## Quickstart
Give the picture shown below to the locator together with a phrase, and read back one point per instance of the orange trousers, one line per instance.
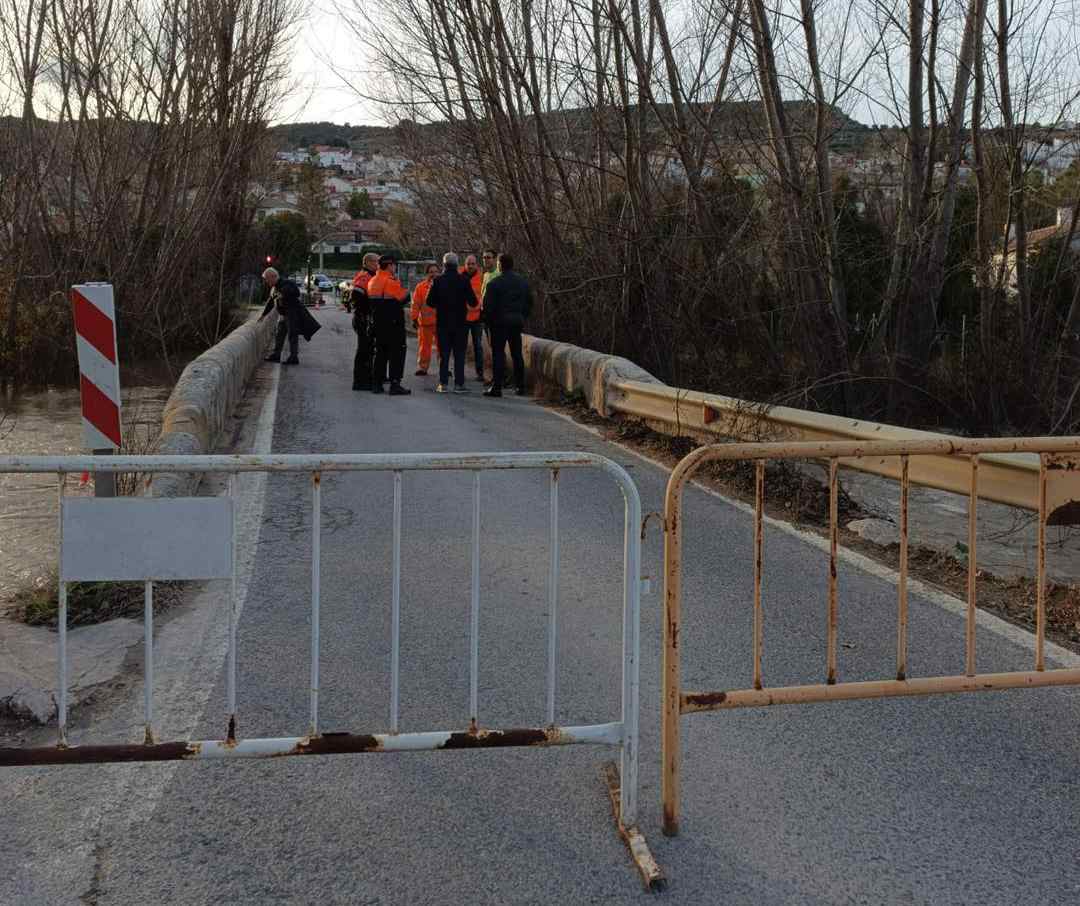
(426, 336)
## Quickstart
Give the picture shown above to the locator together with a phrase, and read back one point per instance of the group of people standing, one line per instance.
(449, 308)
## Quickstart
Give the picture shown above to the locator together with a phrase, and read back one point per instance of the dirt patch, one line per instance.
(793, 495)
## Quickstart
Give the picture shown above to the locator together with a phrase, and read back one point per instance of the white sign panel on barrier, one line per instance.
(129, 539)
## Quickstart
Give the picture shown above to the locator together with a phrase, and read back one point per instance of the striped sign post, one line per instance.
(99, 373)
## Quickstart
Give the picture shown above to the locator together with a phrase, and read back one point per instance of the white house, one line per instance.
(274, 204)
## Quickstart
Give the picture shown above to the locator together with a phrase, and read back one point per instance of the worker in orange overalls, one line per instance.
(473, 322)
(423, 318)
(387, 296)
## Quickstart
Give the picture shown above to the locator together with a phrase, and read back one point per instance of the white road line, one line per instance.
(1015, 634)
(190, 650)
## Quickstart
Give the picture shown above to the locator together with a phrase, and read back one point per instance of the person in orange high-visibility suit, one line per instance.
(387, 298)
(423, 317)
(473, 317)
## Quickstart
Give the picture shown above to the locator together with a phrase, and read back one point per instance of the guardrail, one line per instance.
(1011, 476)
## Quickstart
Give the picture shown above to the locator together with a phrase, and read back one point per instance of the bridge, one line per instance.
(938, 799)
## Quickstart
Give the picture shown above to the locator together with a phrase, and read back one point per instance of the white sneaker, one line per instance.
(441, 388)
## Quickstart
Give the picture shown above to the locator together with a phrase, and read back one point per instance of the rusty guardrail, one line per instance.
(1009, 475)
(1057, 467)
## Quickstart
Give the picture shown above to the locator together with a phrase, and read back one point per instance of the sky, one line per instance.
(325, 41)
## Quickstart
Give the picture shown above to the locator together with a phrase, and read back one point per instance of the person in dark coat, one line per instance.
(508, 302)
(363, 361)
(452, 296)
(294, 320)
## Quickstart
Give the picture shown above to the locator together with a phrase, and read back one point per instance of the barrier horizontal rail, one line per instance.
(77, 518)
(1009, 473)
(1055, 457)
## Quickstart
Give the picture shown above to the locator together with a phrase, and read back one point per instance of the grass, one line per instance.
(38, 603)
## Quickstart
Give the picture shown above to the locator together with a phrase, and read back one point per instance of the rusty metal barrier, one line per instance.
(1058, 470)
(192, 532)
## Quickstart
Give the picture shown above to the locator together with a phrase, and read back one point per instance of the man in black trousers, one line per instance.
(294, 321)
(508, 302)
(451, 296)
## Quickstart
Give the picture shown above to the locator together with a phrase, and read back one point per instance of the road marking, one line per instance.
(1003, 628)
(190, 651)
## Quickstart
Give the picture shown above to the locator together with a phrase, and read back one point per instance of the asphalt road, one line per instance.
(942, 800)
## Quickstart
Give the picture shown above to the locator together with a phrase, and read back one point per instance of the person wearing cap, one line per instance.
(386, 296)
(361, 323)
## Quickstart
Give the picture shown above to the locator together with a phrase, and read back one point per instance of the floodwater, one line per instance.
(48, 422)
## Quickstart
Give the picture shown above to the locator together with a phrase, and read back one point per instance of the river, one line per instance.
(48, 421)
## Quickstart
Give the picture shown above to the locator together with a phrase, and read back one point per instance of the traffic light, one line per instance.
(269, 260)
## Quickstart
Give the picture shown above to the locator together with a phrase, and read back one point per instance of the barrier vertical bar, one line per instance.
(1040, 572)
(628, 768)
(759, 537)
(553, 594)
(316, 540)
(671, 679)
(148, 660)
(969, 625)
(230, 682)
(902, 595)
(474, 613)
(834, 540)
(395, 625)
(61, 621)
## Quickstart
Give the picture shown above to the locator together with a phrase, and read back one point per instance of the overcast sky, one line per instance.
(319, 93)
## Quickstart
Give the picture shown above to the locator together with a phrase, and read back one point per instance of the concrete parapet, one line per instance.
(574, 370)
(202, 400)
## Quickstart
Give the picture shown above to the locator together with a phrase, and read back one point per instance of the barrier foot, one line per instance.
(647, 866)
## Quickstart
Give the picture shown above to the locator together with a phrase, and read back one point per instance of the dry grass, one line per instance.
(88, 602)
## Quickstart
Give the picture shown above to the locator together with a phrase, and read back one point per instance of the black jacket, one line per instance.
(451, 295)
(292, 309)
(508, 300)
(288, 292)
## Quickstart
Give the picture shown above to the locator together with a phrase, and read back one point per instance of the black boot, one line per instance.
(397, 390)
(291, 360)
(273, 357)
(377, 388)
(360, 386)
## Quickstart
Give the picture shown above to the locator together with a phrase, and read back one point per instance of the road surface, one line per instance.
(942, 800)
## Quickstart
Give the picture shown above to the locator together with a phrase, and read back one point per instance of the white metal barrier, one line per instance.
(171, 550)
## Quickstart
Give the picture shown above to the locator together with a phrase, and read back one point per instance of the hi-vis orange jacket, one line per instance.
(385, 287)
(420, 310)
(477, 283)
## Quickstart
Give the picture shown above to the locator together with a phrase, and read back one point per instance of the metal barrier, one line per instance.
(88, 557)
(1059, 457)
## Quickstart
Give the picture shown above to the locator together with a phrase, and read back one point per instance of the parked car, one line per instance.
(322, 283)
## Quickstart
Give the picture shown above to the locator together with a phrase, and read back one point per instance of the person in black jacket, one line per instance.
(294, 320)
(508, 302)
(451, 296)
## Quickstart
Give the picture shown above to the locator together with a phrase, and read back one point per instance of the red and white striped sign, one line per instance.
(99, 369)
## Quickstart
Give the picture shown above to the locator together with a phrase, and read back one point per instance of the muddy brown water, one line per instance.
(48, 422)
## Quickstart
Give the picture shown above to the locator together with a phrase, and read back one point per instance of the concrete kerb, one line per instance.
(206, 393)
